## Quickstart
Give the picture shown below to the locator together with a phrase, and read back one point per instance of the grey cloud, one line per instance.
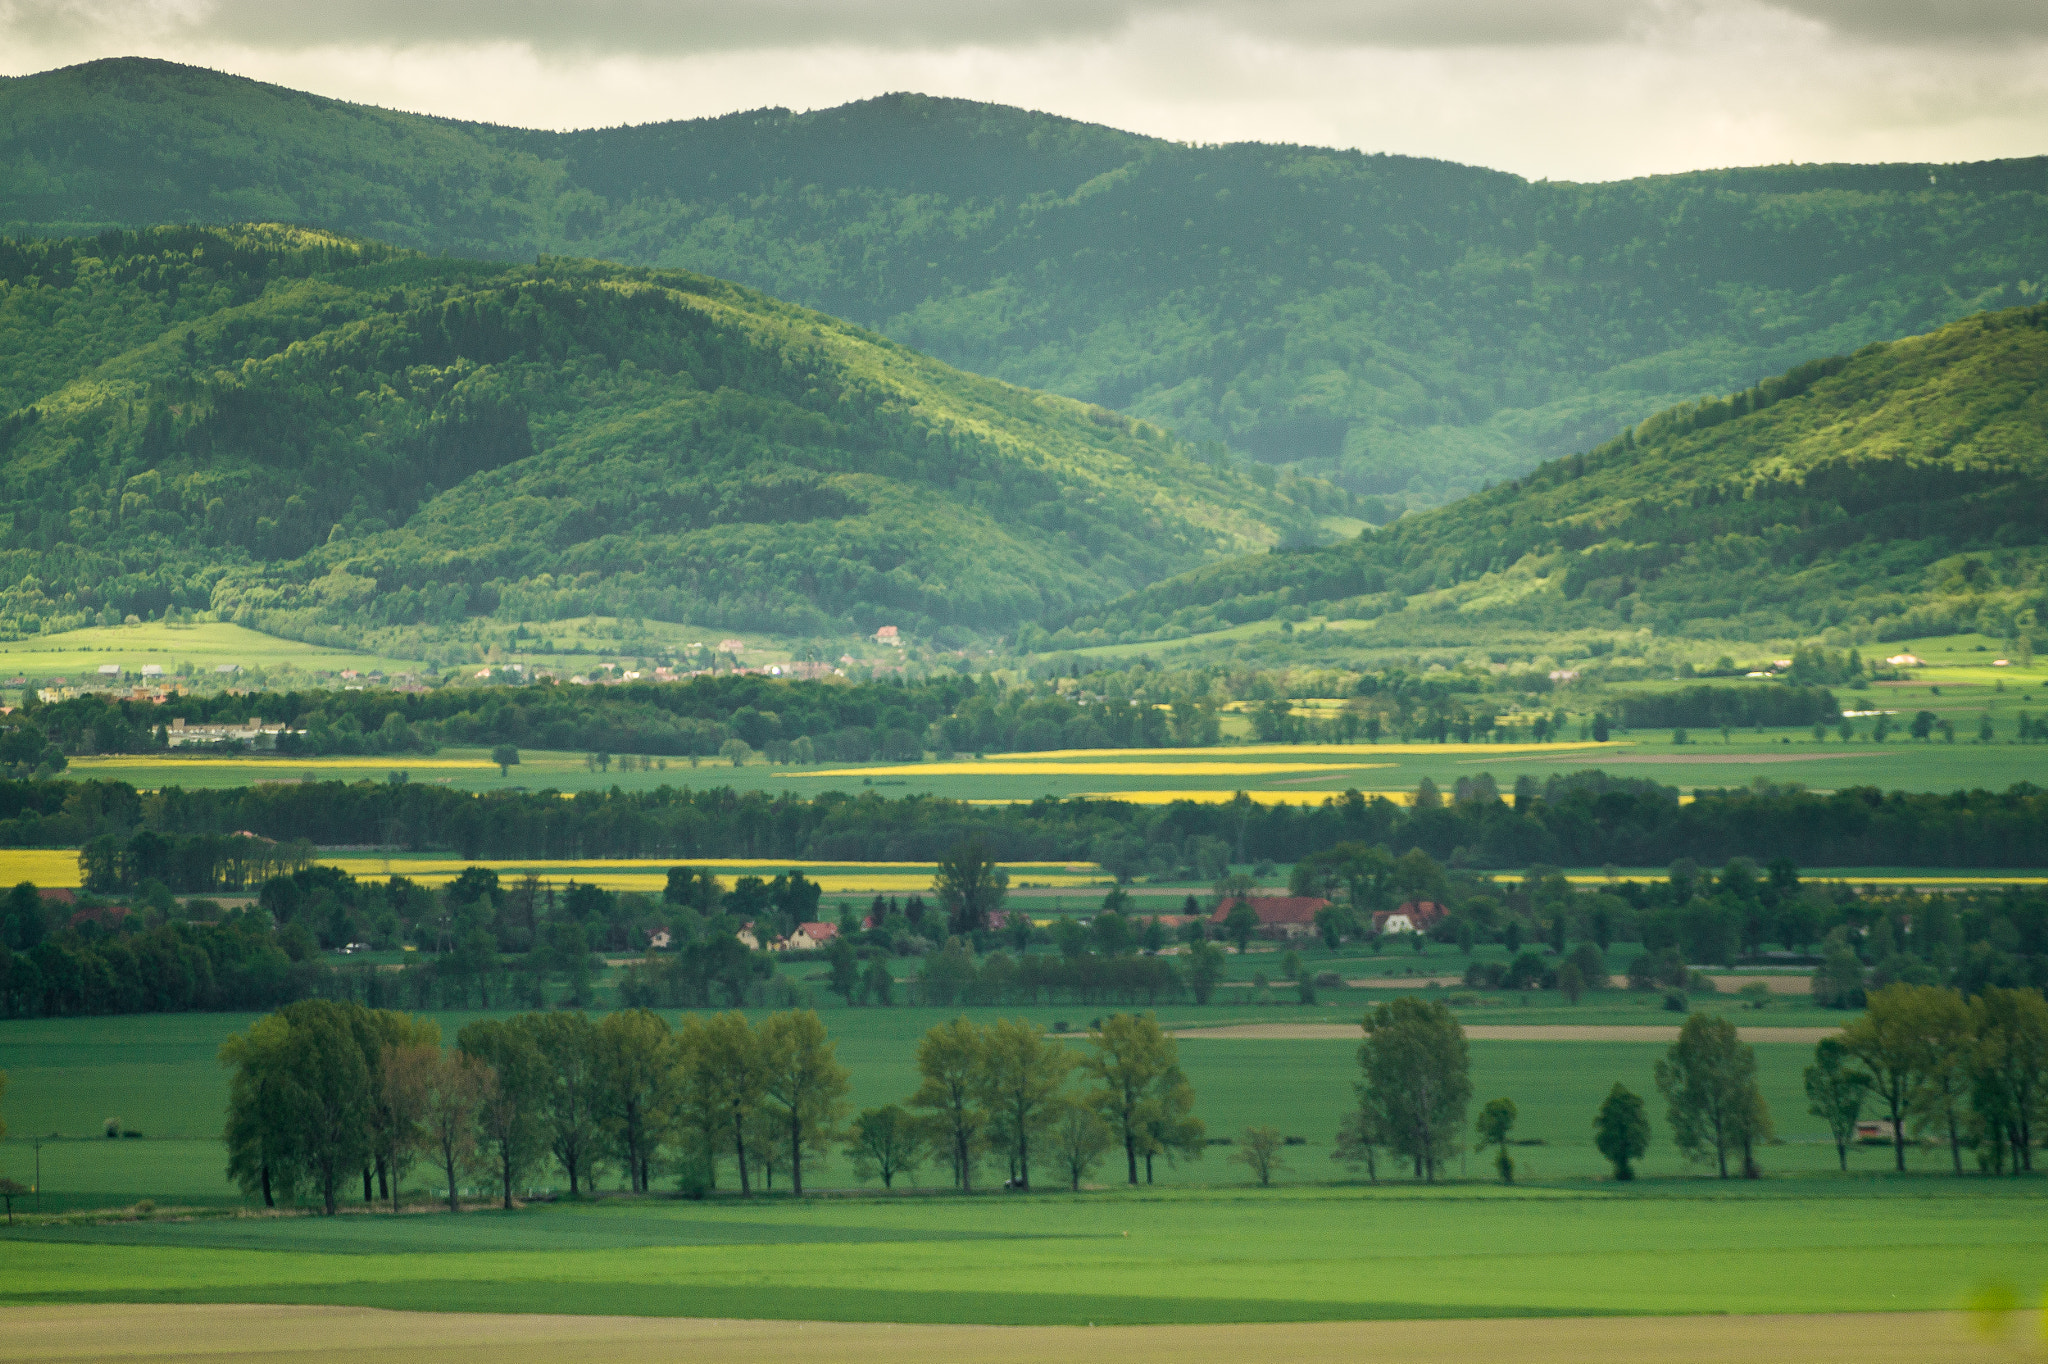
(670, 27)
(1944, 21)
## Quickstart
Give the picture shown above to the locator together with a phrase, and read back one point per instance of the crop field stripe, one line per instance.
(262, 1334)
(1205, 767)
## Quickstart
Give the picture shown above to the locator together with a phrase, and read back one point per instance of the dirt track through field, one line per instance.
(1506, 1032)
(124, 1334)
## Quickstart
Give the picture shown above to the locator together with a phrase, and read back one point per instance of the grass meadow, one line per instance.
(1170, 1256)
(158, 1075)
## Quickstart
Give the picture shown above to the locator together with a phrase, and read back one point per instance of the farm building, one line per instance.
(1414, 916)
(1280, 916)
(812, 936)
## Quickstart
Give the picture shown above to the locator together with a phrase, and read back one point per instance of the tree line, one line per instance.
(1579, 819)
(323, 1093)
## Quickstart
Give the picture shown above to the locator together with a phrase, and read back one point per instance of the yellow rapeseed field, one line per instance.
(1010, 767)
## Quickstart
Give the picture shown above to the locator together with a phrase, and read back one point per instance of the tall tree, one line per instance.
(1418, 1067)
(458, 1085)
(323, 1090)
(731, 1077)
(1709, 1080)
(264, 1133)
(1835, 1092)
(509, 1116)
(1134, 1064)
(1948, 1074)
(406, 1084)
(1621, 1130)
(949, 1064)
(805, 1084)
(1890, 1041)
(1021, 1075)
(638, 1087)
(970, 885)
(568, 1046)
(2012, 1064)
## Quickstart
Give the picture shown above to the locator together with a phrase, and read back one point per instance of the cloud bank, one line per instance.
(1585, 89)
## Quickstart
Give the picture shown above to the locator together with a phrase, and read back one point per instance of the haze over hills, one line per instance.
(1900, 491)
(298, 429)
(1413, 328)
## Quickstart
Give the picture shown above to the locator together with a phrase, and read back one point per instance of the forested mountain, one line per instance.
(1414, 327)
(294, 428)
(1902, 489)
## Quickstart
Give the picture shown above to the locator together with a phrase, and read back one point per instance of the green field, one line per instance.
(1294, 773)
(1182, 1256)
(77, 654)
(157, 1074)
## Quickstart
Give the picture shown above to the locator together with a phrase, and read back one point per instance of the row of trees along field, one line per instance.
(1969, 1074)
(322, 1092)
(1583, 818)
(487, 940)
(745, 716)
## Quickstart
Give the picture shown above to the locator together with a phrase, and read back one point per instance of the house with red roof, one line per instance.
(1280, 916)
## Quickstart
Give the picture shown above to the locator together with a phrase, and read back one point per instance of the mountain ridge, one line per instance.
(1898, 491)
(1412, 328)
(291, 427)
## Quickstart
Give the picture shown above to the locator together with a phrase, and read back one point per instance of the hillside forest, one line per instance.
(291, 430)
(1411, 328)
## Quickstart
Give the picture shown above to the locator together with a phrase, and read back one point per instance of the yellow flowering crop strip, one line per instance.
(43, 866)
(1005, 767)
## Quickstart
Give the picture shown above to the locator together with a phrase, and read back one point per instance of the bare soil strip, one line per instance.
(124, 1334)
(1507, 1032)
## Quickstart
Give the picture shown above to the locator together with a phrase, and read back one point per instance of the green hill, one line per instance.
(1413, 327)
(1900, 491)
(293, 428)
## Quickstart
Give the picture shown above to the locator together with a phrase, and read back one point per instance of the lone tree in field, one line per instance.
(506, 757)
(970, 886)
(1709, 1079)
(1418, 1075)
(1835, 1094)
(1259, 1150)
(1621, 1130)
(885, 1142)
(1496, 1120)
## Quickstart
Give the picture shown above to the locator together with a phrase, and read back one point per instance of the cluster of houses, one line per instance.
(1281, 917)
(255, 735)
(1294, 916)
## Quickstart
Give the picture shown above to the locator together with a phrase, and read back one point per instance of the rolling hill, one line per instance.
(1898, 491)
(295, 429)
(1412, 328)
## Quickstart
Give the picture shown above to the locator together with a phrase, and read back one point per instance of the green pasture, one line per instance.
(1708, 760)
(158, 1076)
(1180, 1256)
(76, 654)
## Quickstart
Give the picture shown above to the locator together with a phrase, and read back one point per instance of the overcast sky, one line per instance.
(1578, 89)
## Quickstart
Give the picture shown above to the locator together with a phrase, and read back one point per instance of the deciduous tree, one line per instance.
(1835, 1092)
(883, 1143)
(1419, 1071)
(1709, 1079)
(949, 1062)
(805, 1084)
(1021, 1075)
(1258, 1149)
(1621, 1130)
